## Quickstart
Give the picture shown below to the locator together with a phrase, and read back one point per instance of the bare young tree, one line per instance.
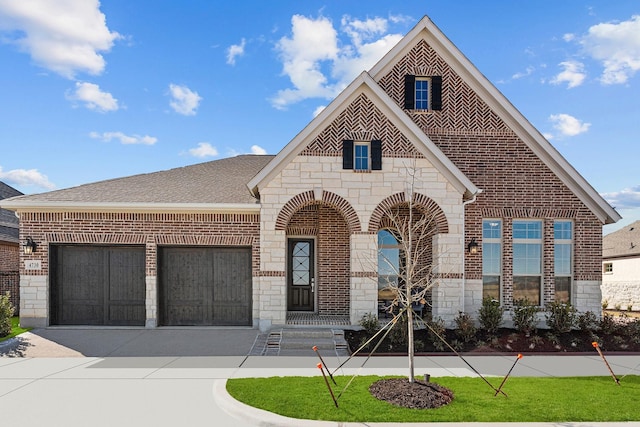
(413, 277)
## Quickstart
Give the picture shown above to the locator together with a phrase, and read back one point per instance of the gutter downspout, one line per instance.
(464, 239)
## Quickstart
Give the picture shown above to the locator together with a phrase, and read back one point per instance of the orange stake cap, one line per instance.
(594, 344)
(519, 356)
(315, 348)
(319, 365)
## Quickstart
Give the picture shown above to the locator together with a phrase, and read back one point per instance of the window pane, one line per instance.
(527, 258)
(361, 157)
(526, 287)
(563, 289)
(386, 238)
(562, 230)
(491, 229)
(491, 287)
(527, 229)
(491, 258)
(562, 259)
(422, 94)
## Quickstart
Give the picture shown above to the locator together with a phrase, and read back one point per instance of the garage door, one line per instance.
(205, 286)
(97, 285)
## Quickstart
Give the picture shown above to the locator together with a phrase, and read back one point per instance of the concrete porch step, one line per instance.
(295, 340)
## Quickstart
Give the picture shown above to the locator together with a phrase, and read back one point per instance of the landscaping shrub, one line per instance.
(370, 323)
(588, 321)
(437, 326)
(6, 313)
(561, 317)
(524, 316)
(490, 315)
(465, 327)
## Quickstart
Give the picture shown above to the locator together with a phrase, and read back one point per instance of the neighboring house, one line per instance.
(621, 268)
(9, 249)
(258, 240)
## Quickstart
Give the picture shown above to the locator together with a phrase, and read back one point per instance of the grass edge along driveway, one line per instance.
(529, 400)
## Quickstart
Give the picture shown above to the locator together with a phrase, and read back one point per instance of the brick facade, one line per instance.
(148, 229)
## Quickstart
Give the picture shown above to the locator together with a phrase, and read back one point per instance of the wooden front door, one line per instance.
(301, 275)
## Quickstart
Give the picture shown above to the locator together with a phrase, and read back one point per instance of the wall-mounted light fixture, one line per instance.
(472, 247)
(29, 246)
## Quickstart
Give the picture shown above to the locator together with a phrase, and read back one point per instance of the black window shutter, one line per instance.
(347, 154)
(376, 155)
(436, 93)
(409, 92)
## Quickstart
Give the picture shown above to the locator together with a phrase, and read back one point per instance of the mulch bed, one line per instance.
(416, 395)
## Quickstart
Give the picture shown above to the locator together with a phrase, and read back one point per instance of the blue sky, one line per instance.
(97, 90)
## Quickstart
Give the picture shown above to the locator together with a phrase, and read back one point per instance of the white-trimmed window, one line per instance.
(422, 93)
(563, 259)
(491, 258)
(527, 261)
(362, 155)
(361, 158)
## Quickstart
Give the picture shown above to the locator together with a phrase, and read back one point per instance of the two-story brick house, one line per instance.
(256, 240)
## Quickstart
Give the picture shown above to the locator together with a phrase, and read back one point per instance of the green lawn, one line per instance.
(15, 329)
(529, 400)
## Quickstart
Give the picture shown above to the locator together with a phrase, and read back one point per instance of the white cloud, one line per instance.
(234, 51)
(256, 149)
(617, 47)
(93, 97)
(64, 36)
(629, 198)
(573, 74)
(184, 101)
(568, 125)
(204, 149)
(530, 69)
(123, 138)
(319, 64)
(318, 110)
(26, 177)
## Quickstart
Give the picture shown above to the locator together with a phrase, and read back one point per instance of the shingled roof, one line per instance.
(9, 231)
(622, 243)
(221, 181)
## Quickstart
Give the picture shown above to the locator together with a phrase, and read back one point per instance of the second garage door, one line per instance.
(205, 286)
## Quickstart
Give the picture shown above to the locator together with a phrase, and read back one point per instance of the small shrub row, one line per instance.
(6, 313)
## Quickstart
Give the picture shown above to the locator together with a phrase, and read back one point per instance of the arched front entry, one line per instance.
(318, 254)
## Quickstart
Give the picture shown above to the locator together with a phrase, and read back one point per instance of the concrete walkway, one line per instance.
(109, 378)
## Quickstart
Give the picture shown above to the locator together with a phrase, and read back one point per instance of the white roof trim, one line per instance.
(51, 206)
(365, 84)
(503, 108)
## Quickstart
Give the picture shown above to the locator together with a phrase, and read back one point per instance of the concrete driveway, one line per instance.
(132, 342)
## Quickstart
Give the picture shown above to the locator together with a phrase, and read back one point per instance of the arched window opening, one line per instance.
(389, 268)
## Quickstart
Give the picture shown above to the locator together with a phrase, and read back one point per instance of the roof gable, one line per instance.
(622, 243)
(364, 84)
(426, 30)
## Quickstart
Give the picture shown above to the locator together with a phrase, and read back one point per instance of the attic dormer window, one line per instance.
(362, 155)
(422, 93)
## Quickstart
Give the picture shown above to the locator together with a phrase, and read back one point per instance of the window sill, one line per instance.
(361, 171)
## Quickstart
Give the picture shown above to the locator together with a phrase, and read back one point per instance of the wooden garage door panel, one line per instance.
(80, 282)
(126, 301)
(184, 298)
(205, 286)
(232, 290)
(95, 285)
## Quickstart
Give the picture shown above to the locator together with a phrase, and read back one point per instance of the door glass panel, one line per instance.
(300, 263)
